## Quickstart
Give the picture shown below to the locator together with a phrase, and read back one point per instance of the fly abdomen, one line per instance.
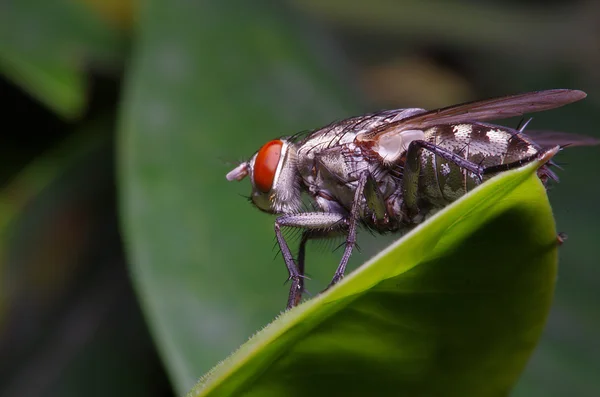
(443, 181)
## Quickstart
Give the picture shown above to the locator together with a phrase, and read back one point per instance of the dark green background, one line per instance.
(89, 84)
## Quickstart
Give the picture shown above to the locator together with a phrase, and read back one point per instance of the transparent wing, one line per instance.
(548, 139)
(487, 109)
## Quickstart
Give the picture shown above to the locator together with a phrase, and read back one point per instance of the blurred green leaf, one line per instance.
(46, 46)
(208, 81)
(118, 12)
(42, 207)
(522, 29)
(68, 316)
(455, 309)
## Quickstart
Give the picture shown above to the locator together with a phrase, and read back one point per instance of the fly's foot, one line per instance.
(296, 290)
(336, 279)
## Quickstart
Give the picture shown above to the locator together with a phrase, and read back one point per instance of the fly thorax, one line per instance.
(275, 180)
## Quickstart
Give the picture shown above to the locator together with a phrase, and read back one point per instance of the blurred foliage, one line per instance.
(46, 46)
(207, 81)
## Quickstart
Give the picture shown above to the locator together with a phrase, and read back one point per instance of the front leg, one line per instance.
(323, 222)
(315, 221)
(301, 260)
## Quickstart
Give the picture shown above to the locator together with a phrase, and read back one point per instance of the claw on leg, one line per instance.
(295, 295)
(336, 279)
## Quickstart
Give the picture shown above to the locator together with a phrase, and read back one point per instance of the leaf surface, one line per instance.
(454, 308)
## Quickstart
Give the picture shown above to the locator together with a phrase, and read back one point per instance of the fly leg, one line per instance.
(301, 260)
(375, 201)
(352, 221)
(510, 166)
(297, 296)
(320, 222)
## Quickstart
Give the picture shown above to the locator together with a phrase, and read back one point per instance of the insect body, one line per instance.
(389, 170)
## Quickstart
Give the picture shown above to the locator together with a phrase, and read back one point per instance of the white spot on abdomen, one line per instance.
(531, 150)
(499, 139)
(445, 169)
(462, 132)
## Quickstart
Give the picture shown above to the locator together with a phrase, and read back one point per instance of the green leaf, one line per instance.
(37, 209)
(454, 308)
(65, 294)
(210, 81)
(520, 27)
(45, 47)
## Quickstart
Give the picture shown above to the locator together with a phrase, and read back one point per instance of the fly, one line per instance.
(389, 170)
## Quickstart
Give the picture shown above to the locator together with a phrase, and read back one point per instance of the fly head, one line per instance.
(274, 177)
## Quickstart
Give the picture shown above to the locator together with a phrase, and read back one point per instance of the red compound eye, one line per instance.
(265, 165)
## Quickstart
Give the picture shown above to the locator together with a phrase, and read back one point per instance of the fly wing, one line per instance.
(548, 139)
(487, 109)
